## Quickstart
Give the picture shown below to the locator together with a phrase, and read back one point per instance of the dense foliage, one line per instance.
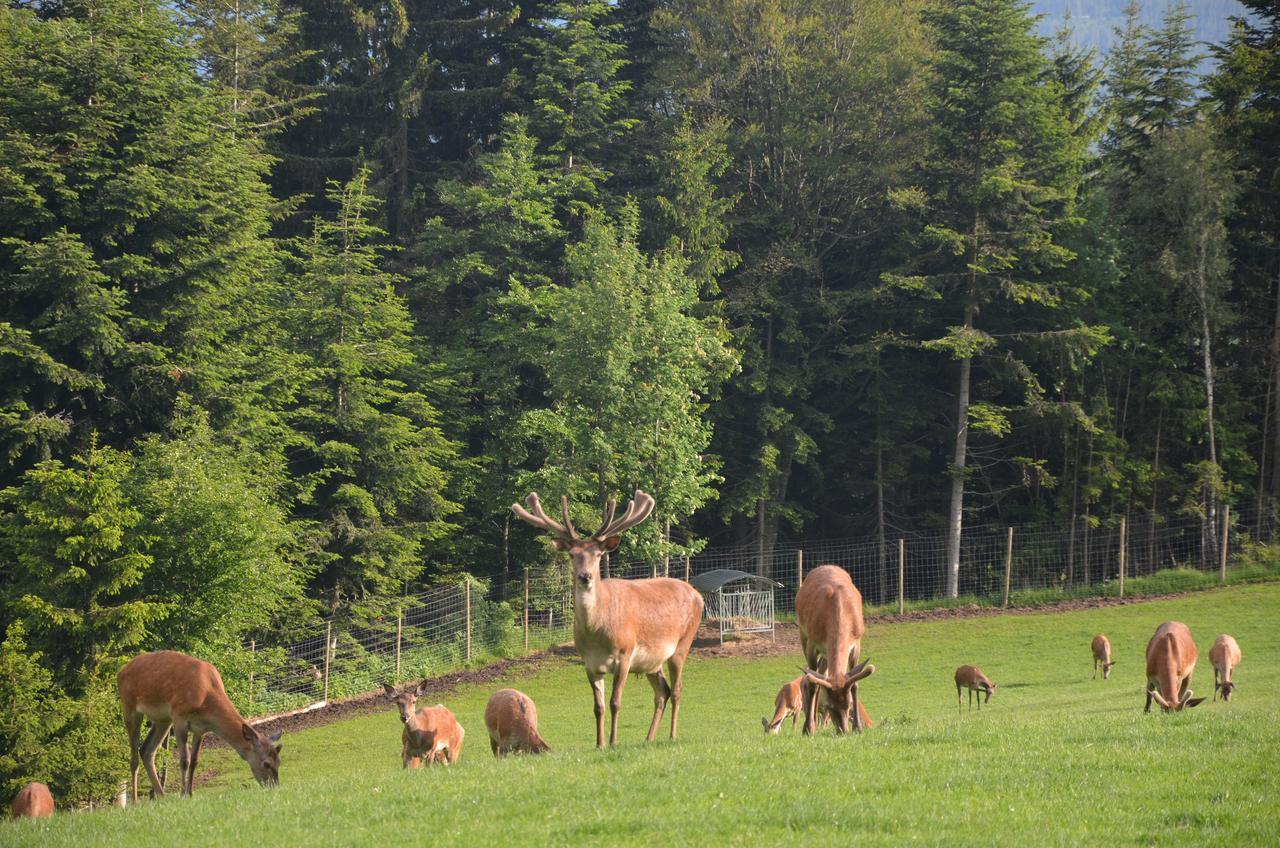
(297, 298)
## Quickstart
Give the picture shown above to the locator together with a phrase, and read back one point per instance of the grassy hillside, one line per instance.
(1056, 758)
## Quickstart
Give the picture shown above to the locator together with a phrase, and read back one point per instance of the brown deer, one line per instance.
(790, 702)
(1171, 660)
(829, 612)
(1225, 656)
(33, 801)
(431, 734)
(1101, 648)
(971, 677)
(173, 689)
(620, 626)
(512, 721)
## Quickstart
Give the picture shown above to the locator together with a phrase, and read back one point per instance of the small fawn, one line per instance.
(790, 702)
(32, 801)
(1102, 654)
(512, 722)
(971, 677)
(431, 733)
(1225, 656)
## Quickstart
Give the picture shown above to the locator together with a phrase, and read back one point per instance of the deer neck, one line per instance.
(589, 605)
(228, 724)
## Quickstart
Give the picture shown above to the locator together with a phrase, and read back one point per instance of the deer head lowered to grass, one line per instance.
(829, 614)
(1171, 660)
(171, 688)
(1101, 648)
(971, 677)
(620, 626)
(1225, 656)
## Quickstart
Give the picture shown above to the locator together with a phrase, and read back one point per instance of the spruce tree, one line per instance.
(371, 463)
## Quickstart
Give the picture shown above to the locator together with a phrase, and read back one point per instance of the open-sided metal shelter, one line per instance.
(738, 601)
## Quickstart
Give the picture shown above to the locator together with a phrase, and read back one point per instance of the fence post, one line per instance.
(1124, 549)
(686, 569)
(666, 557)
(399, 636)
(253, 660)
(799, 569)
(1226, 536)
(526, 607)
(902, 567)
(328, 642)
(1008, 566)
(467, 585)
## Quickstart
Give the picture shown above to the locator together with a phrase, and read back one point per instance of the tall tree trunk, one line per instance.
(882, 573)
(1275, 407)
(956, 522)
(1206, 357)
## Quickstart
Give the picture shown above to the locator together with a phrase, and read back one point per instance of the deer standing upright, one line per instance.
(33, 801)
(431, 733)
(620, 626)
(829, 613)
(1101, 648)
(173, 689)
(1225, 656)
(1171, 660)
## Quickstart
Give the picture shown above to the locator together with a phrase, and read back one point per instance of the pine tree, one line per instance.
(1001, 176)
(75, 553)
(371, 465)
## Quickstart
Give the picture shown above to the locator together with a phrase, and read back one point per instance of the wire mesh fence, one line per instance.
(452, 625)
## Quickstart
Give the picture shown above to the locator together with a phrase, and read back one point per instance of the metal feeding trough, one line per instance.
(738, 601)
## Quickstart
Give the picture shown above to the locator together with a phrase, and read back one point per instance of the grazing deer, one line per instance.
(1101, 648)
(829, 612)
(431, 733)
(173, 689)
(971, 677)
(512, 721)
(790, 702)
(620, 626)
(33, 801)
(1225, 656)
(1171, 659)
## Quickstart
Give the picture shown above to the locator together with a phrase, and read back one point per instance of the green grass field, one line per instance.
(1056, 758)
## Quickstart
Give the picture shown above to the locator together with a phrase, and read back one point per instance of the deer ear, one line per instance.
(611, 543)
(248, 732)
(275, 739)
(1194, 702)
(389, 689)
(423, 686)
(559, 544)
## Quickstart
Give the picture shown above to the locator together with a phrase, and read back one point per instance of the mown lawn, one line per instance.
(1056, 758)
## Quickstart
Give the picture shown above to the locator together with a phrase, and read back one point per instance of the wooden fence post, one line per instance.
(467, 585)
(799, 569)
(686, 569)
(1226, 537)
(253, 660)
(328, 643)
(902, 567)
(399, 637)
(526, 607)
(1008, 566)
(666, 557)
(1124, 550)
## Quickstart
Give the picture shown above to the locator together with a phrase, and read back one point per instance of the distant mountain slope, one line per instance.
(1094, 22)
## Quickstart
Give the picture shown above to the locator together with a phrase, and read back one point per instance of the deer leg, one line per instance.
(597, 692)
(1215, 683)
(959, 699)
(180, 734)
(132, 726)
(1095, 668)
(195, 756)
(615, 701)
(153, 741)
(676, 667)
(661, 692)
(1147, 708)
(856, 713)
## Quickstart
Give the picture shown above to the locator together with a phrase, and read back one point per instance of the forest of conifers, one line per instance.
(299, 297)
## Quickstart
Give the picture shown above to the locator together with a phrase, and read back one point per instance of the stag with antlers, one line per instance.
(622, 626)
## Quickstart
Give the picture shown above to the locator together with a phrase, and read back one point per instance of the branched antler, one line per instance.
(535, 516)
(638, 510)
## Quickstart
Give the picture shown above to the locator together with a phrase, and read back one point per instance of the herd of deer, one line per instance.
(620, 626)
